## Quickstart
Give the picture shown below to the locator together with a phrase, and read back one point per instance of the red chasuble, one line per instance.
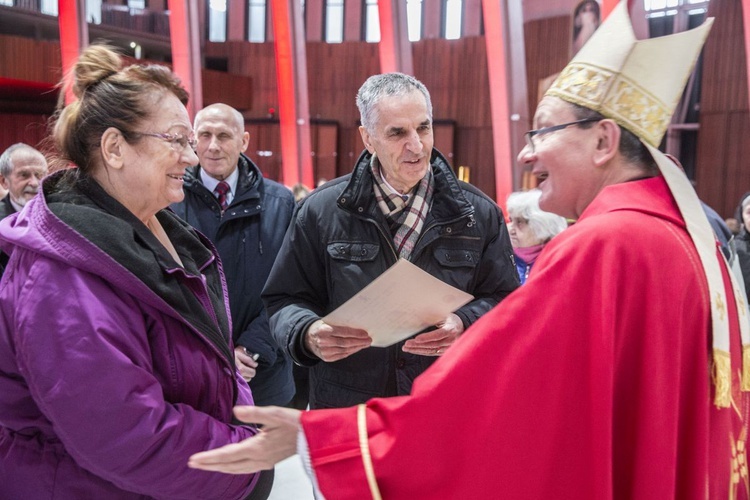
(592, 381)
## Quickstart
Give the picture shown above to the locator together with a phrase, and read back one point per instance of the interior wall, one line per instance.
(723, 152)
(454, 71)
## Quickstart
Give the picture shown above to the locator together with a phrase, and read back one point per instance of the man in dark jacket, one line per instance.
(245, 216)
(21, 171)
(401, 201)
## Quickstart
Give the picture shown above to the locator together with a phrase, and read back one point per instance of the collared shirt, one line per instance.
(211, 183)
(15, 205)
(404, 196)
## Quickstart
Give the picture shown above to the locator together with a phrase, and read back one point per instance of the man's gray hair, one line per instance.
(377, 87)
(6, 165)
(525, 205)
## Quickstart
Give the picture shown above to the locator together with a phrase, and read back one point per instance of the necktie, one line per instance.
(221, 191)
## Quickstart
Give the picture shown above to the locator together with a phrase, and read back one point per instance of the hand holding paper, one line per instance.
(435, 342)
(400, 302)
(332, 343)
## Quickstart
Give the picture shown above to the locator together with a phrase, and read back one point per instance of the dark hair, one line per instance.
(631, 147)
(108, 95)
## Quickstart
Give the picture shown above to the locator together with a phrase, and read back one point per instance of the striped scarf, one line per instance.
(405, 218)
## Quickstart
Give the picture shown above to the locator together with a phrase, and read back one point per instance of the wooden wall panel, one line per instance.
(722, 171)
(547, 52)
(29, 59)
(333, 91)
(455, 72)
(234, 90)
(325, 150)
(22, 127)
(264, 147)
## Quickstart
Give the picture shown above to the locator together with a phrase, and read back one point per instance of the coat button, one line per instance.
(364, 251)
(360, 209)
(400, 363)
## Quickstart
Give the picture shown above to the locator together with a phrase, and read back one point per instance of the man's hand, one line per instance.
(245, 364)
(276, 441)
(332, 343)
(435, 342)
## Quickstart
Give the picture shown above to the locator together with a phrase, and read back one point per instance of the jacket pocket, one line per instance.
(454, 257)
(353, 251)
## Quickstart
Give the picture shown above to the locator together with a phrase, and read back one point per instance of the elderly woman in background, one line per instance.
(530, 229)
(115, 355)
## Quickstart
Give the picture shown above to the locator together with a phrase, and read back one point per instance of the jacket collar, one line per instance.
(449, 201)
(249, 183)
(92, 231)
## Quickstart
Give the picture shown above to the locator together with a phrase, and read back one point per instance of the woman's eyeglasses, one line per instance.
(178, 141)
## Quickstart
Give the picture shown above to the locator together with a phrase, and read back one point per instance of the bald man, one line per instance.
(246, 216)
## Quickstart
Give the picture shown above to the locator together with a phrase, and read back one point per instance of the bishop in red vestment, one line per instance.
(590, 382)
(616, 372)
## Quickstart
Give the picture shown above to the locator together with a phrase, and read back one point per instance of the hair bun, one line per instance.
(95, 64)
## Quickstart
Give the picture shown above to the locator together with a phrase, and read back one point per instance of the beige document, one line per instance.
(399, 303)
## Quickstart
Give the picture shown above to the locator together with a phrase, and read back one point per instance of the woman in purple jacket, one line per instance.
(115, 355)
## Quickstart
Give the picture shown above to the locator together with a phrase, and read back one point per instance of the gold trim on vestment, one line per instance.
(722, 374)
(746, 367)
(364, 448)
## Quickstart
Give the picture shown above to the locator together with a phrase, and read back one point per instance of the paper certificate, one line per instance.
(399, 303)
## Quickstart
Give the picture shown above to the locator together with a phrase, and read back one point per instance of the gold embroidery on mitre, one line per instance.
(616, 97)
(722, 375)
(583, 84)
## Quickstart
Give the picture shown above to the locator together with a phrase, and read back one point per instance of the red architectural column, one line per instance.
(186, 49)
(394, 46)
(291, 78)
(74, 35)
(503, 26)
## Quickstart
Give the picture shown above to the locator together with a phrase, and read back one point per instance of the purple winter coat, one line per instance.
(105, 390)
